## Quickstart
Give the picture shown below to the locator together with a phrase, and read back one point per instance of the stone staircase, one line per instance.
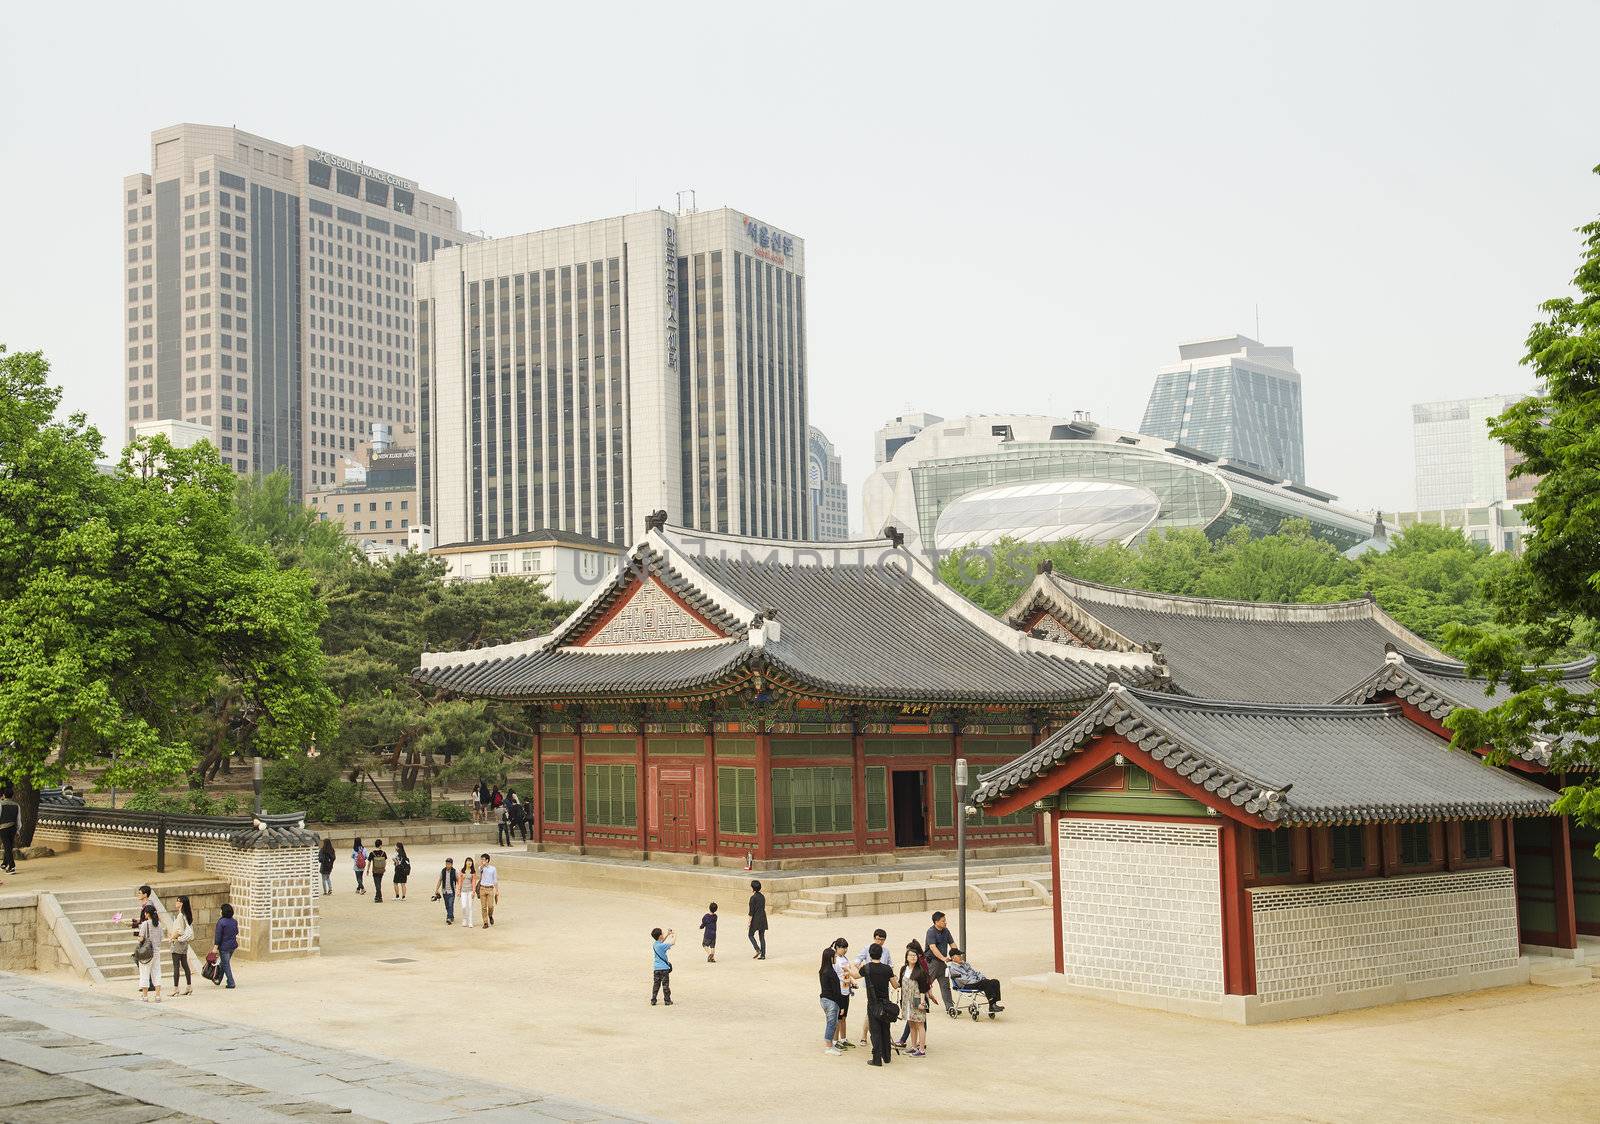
(1000, 888)
(110, 943)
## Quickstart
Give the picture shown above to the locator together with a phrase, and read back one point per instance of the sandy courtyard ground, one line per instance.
(556, 997)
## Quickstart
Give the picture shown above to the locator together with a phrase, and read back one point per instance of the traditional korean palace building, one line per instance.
(722, 697)
(1308, 844)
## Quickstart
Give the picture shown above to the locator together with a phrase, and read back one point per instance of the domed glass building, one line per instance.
(975, 480)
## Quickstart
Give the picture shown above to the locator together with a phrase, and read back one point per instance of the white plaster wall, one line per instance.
(1141, 906)
(1352, 936)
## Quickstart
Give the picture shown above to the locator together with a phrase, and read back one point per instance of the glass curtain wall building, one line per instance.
(1458, 462)
(1233, 397)
(581, 377)
(269, 297)
(830, 511)
(975, 480)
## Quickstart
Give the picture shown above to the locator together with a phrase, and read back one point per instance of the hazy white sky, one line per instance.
(1006, 207)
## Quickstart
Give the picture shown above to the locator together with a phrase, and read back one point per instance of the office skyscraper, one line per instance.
(1235, 399)
(579, 378)
(1458, 462)
(830, 503)
(892, 435)
(269, 296)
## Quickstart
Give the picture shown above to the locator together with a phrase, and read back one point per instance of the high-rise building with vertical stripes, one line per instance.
(269, 296)
(579, 378)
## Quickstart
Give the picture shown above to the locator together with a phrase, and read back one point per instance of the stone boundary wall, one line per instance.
(1356, 936)
(1141, 907)
(275, 890)
(18, 932)
(413, 833)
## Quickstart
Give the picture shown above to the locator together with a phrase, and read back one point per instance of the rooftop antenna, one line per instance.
(692, 207)
(1258, 322)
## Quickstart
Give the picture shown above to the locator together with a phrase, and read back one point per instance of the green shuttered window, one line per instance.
(1274, 852)
(610, 797)
(736, 800)
(558, 793)
(811, 801)
(877, 798)
(1416, 844)
(1476, 840)
(944, 796)
(1347, 847)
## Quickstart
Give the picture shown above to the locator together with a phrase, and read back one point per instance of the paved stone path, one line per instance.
(72, 1054)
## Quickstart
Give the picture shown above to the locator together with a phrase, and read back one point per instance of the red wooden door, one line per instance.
(677, 815)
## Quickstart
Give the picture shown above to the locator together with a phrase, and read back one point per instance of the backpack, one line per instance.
(378, 862)
(361, 860)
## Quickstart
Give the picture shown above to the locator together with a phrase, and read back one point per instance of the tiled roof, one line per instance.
(1288, 764)
(1257, 652)
(1437, 687)
(863, 620)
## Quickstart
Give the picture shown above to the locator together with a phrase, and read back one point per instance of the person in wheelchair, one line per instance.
(967, 978)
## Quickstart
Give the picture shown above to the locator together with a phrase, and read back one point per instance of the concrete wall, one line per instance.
(18, 937)
(1141, 907)
(413, 833)
(1349, 937)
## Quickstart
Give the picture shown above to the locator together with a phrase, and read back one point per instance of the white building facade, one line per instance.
(268, 296)
(1458, 462)
(892, 435)
(570, 566)
(582, 377)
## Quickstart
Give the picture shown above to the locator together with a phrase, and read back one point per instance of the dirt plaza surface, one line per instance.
(555, 997)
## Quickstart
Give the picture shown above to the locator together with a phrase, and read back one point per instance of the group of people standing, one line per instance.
(364, 862)
(661, 942)
(179, 937)
(894, 991)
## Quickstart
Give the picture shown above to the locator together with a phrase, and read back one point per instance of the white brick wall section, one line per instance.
(1141, 906)
(1351, 936)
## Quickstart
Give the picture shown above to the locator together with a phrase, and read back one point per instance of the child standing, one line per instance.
(662, 982)
(708, 923)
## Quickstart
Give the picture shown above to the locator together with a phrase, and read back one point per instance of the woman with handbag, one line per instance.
(915, 983)
(181, 933)
(325, 864)
(226, 938)
(402, 872)
(469, 889)
(144, 954)
(881, 1009)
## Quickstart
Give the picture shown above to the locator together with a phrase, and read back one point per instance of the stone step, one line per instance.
(1561, 975)
(805, 908)
(1007, 893)
(1011, 905)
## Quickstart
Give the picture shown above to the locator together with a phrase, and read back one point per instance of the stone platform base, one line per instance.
(1250, 1010)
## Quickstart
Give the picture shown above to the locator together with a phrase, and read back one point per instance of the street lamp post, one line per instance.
(961, 849)
(255, 782)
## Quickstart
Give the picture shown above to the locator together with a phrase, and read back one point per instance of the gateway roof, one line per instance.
(692, 612)
(1252, 651)
(1287, 764)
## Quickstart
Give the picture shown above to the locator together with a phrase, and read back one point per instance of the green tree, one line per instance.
(1280, 567)
(1547, 606)
(126, 596)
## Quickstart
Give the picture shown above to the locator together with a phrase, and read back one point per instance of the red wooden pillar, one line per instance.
(858, 755)
(763, 793)
(1508, 826)
(577, 787)
(641, 794)
(1238, 936)
(1561, 871)
(714, 820)
(538, 783)
(1055, 889)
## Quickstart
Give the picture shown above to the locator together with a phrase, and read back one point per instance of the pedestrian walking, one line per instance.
(179, 936)
(402, 872)
(377, 863)
(758, 920)
(446, 888)
(503, 827)
(10, 822)
(708, 933)
(358, 861)
(488, 889)
(881, 1011)
(483, 802)
(496, 798)
(915, 984)
(938, 941)
(477, 803)
(468, 893)
(661, 978)
(148, 926)
(520, 813)
(828, 976)
(225, 941)
(325, 858)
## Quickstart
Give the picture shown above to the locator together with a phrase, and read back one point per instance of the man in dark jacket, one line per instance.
(758, 921)
(10, 820)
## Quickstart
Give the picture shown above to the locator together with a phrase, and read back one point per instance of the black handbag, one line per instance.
(211, 971)
(886, 1009)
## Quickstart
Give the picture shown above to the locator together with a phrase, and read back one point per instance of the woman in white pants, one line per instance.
(149, 929)
(468, 892)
